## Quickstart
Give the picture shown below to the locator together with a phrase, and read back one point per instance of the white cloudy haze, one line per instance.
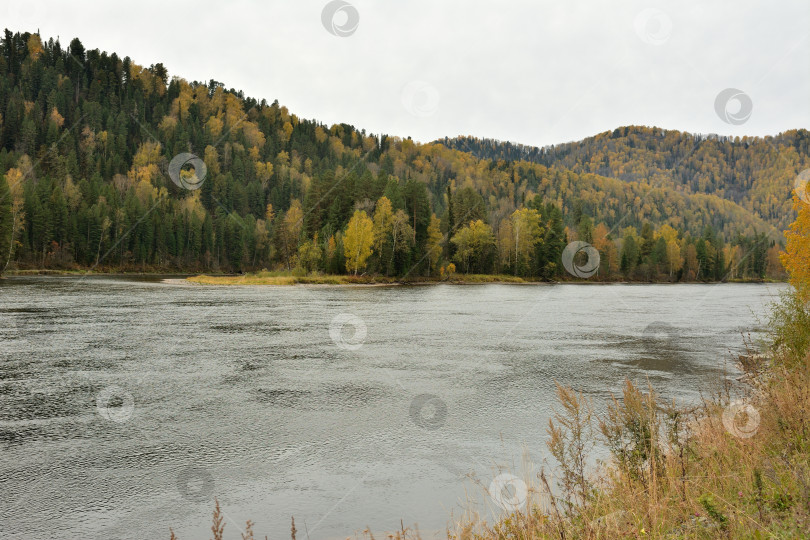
(526, 71)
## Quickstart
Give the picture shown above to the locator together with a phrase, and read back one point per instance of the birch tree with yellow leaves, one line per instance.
(796, 257)
(12, 213)
(527, 233)
(357, 241)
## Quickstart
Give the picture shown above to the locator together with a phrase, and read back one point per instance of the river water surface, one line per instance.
(128, 404)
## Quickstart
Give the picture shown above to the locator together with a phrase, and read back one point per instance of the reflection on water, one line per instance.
(243, 394)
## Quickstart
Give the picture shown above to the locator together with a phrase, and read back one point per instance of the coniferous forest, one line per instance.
(87, 140)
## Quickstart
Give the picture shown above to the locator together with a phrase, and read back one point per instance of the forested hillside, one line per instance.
(87, 139)
(756, 173)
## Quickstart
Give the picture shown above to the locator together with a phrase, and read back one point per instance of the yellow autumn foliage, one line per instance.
(796, 257)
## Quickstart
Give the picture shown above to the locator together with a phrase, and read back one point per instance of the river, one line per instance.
(127, 404)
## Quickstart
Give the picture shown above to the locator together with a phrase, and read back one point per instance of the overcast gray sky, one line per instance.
(526, 71)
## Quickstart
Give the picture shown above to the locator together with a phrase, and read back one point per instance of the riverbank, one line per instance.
(282, 278)
(291, 278)
(273, 278)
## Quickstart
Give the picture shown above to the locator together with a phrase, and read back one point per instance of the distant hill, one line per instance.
(756, 173)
